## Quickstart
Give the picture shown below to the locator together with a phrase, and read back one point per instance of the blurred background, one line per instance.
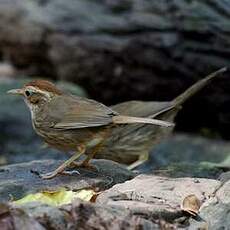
(114, 51)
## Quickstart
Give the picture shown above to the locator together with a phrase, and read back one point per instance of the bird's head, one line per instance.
(37, 93)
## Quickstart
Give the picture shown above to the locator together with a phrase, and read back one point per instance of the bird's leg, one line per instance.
(142, 158)
(62, 167)
(85, 163)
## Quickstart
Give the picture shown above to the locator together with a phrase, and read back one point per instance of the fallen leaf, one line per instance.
(191, 204)
(56, 198)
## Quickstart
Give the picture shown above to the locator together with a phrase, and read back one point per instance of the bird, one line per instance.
(71, 123)
(124, 133)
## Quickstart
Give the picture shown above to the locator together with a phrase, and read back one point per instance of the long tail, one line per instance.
(196, 87)
(119, 119)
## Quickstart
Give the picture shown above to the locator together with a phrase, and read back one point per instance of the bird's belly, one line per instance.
(127, 143)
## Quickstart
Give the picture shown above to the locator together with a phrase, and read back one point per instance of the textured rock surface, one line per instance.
(147, 50)
(160, 195)
(79, 215)
(216, 211)
(15, 219)
(161, 198)
(183, 155)
(145, 202)
(142, 202)
(20, 179)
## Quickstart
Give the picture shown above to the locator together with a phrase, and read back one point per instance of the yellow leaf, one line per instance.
(56, 198)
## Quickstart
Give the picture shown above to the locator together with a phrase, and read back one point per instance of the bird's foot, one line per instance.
(55, 173)
(63, 166)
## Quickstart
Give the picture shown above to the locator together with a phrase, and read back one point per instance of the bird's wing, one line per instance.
(75, 112)
(142, 108)
(72, 112)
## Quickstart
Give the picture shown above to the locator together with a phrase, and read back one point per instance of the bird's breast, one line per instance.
(69, 140)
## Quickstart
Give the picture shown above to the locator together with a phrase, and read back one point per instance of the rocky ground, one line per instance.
(142, 202)
(184, 185)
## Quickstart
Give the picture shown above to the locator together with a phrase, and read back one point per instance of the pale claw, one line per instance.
(50, 175)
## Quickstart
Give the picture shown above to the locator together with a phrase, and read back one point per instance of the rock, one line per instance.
(146, 201)
(146, 50)
(184, 155)
(81, 215)
(17, 219)
(88, 216)
(18, 180)
(216, 211)
(46, 214)
(17, 135)
(217, 215)
(224, 177)
(223, 193)
(157, 196)
(214, 214)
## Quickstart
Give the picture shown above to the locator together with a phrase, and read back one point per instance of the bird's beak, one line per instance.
(16, 91)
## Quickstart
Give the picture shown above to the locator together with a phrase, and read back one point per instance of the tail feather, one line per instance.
(196, 87)
(119, 119)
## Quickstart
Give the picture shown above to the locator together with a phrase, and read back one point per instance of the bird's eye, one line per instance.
(28, 93)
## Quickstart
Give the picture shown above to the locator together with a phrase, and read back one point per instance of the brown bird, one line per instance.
(71, 123)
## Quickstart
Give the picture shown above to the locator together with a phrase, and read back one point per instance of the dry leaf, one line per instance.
(56, 198)
(191, 204)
